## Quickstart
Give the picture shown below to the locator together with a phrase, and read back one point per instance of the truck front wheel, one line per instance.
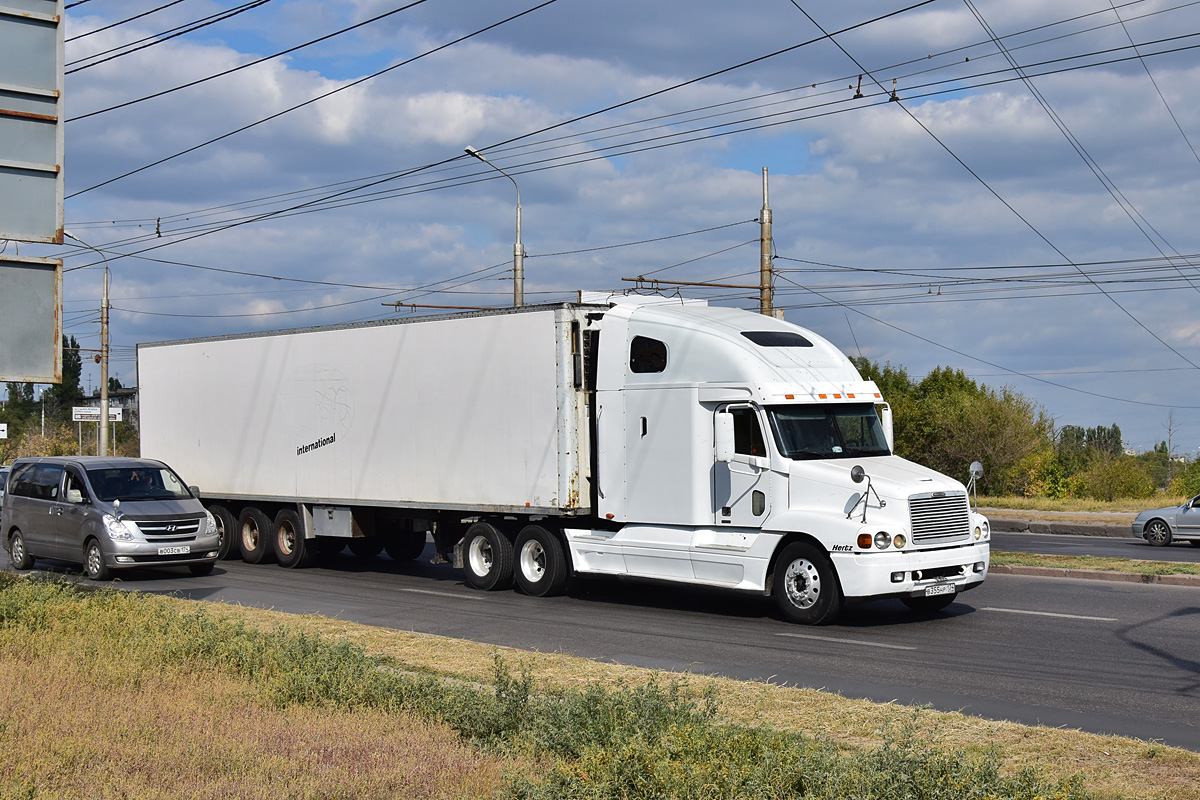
(806, 587)
(487, 557)
(541, 568)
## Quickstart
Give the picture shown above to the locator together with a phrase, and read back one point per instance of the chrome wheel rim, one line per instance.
(18, 549)
(533, 560)
(479, 555)
(802, 583)
(1158, 532)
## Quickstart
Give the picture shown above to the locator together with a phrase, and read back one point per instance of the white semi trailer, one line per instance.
(627, 436)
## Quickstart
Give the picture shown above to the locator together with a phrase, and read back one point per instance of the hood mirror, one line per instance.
(858, 474)
(976, 470)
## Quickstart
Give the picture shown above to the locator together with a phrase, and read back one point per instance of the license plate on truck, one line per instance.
(941, 588)
(177, 550)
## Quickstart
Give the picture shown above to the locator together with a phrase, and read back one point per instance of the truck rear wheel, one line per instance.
(806, 587)
(487, 557)
(366, 546)
(226, 529)
(291, 548)
(405, 545)
(541, 568)
(254, 535)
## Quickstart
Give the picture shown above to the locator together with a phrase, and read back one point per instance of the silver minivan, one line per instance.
(106, 514)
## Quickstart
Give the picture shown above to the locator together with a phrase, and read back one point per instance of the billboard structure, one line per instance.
(31, 188)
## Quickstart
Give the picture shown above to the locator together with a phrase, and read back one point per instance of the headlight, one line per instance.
(883, 540)
(899, 540)
(210, 526)
(978, 531)
(118, 530)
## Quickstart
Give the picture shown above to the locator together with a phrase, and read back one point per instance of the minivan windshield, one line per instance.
(137, 483)
(828, 431)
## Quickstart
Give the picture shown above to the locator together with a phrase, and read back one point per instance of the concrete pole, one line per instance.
(104, 366)
(518, 248)
(766, 290)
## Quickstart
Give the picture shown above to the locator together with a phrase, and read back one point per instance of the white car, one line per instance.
(1162, 526)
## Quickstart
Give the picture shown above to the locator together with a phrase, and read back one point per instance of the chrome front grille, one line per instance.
(169, 530)
(939, 517)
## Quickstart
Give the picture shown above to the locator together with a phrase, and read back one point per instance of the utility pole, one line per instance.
(765, 290)
(104, 366)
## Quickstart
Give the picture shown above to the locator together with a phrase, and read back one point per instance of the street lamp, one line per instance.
(103, 444)
(518, 248)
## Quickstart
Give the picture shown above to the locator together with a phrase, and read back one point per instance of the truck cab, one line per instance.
(742, 451)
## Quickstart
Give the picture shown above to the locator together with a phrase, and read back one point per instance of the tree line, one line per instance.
(947, 420)
(42, 426)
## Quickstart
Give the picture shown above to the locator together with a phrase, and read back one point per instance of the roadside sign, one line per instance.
(92, 414)
(3, 430)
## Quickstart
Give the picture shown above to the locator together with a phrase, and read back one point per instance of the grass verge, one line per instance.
(1134, 566)
(1080, 505)
(116, 694)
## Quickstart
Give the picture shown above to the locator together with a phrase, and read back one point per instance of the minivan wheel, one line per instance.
(93, 562)
(18, 555)
(254, 528)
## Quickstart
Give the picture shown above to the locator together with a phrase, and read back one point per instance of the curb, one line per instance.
(1004, 524)
(1095, 575)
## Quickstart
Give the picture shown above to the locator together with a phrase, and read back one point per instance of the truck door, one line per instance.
(741, 487)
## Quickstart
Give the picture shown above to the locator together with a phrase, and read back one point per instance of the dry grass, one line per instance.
(1113, 767)
(74, 727)
(1123, 508)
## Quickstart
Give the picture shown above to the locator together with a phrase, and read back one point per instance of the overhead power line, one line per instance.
(124, 21)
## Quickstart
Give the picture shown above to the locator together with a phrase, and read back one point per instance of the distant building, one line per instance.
(125, 399)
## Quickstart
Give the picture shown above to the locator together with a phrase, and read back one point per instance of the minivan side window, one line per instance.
(75, 482)
(19, 480)
(45, 482)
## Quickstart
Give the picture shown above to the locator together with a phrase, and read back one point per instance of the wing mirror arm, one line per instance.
(972, 485)
(857, 474)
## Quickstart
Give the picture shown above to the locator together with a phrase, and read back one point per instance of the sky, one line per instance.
(1025, 209)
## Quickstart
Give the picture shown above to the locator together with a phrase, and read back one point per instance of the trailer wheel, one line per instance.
(254, 539)
(806, 587)
(366, 546)
(226, 528)
(541, 567)
(487, 557)
(291, 548)
(405, 545)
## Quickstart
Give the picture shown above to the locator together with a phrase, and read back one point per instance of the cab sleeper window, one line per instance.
(647, 355)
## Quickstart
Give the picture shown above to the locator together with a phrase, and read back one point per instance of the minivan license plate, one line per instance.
(178, 550)
(941, 588)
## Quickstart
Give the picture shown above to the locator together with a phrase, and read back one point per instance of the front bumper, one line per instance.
(131, 554)
(866, 575)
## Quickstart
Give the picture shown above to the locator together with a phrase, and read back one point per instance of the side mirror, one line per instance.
(74, 496)
(976, 470)
(194, 490)
(857, 473)
(723, 437)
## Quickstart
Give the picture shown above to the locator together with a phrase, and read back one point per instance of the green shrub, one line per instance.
(1110, 478)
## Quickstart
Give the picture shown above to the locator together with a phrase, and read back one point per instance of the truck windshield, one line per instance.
(828, 431)
(137, 483)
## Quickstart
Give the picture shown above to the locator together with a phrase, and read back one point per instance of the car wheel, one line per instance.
(93, 561)
(541, 567)
(806, 587)
(254, 535)
(291, 548)
(226, 527)
(487, 557)
(18, 555)
(1158, 533)
(935, 603)
(200, 570)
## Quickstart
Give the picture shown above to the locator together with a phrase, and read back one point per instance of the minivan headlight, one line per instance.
(118, 530)
(210, 525)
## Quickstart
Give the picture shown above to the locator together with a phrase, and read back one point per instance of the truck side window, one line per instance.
(747, 434)
(647, 355)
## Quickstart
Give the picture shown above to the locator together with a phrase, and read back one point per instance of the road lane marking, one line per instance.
(846, 641)
(1051, 614)
(442, 594)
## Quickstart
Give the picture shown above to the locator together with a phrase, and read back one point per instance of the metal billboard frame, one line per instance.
(32, 140)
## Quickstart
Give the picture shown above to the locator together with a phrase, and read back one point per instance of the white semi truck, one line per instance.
(654, 438)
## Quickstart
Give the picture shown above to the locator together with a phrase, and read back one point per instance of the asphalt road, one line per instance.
(1100, 656)
(1106, 546)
